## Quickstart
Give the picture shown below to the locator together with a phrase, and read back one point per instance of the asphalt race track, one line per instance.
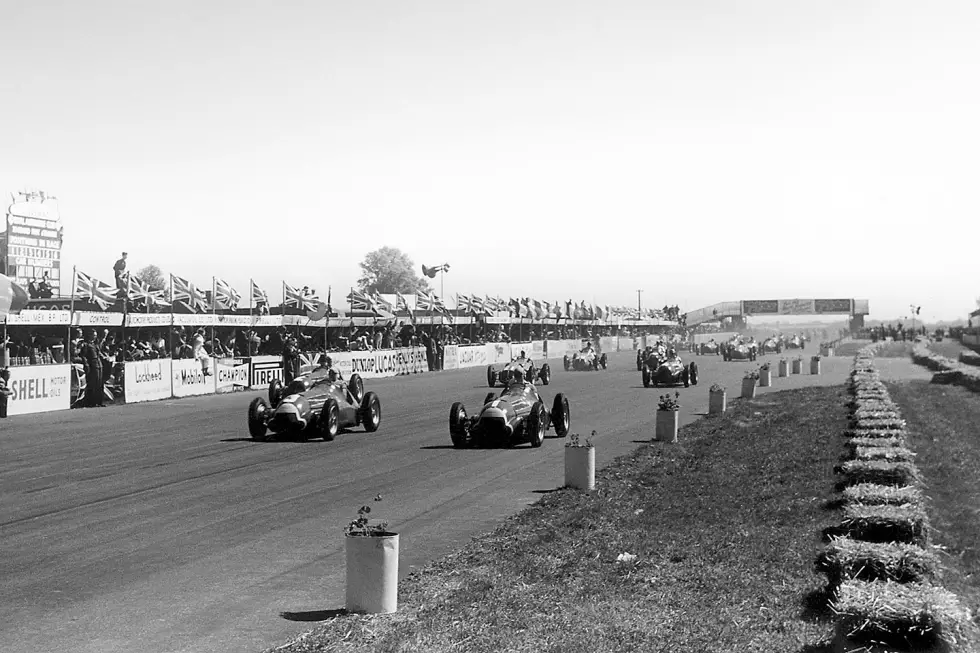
(162, 527)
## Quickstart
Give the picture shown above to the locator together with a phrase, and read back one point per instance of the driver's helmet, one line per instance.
(298, 386)
(332, 375)
(523, 355)
(672, 353)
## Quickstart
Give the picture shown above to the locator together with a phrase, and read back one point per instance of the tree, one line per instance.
(153, 277)
(389, 270)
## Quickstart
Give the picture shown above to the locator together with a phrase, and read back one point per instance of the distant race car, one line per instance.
(796, 342)
(517, 415)
(771, 346)
(668, 371)
(587, 359)
(740, 351)
(520, 368)
(706, 348)
(316, 405)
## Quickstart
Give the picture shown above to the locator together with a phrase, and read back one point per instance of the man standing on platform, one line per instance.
(92, 364)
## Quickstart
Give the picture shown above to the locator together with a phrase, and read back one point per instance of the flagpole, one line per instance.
(326, 320)
(251, 293)
(71, 314)
(214, 308)
(170, 331)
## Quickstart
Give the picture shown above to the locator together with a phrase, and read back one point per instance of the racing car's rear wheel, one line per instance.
(546, 374)
(537, 422)
(275, 392)
(491, 376)
(693, 373)
(356, 386)
(328, 423)
(371, 412)
(646, 378)
(490, 397)
(686, 377)
(603, 361)
(561, 416)
(567, 362)
(639, 363)
(458, 428)
(257, 411)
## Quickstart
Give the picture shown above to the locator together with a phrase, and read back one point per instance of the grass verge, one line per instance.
(943, 433)
(723, 529)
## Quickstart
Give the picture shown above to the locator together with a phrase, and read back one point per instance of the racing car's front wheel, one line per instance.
(603, 361)
(567, 362)
(561, 416)
(537, 421)
(491, 376)
(257, 411)
(356, 386)
(275, 392)
(457, 426)
(328, 423)
(693, 373)
(546, 374)
(646, 378)
(371, 412)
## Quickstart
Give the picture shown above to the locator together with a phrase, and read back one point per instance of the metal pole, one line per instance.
(639, 308)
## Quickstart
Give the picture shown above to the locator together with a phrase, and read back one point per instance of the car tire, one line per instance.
(546, 374)
(356, 387)
(536, 424)
(371, 412)
(646, 377)
(561, 416)
(328, 422)
(257, 411)
(566, 362)
(491, 376)
(458, 431)
(276, 392)
(603, 361)
(693, 373)
(686, 377)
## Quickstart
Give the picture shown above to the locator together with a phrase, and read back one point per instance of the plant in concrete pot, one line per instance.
(717, 399)
(798, 365)
(765, 375)
(783, 367)
(668, 418)
(815, 365)
(749, 382)
(372, 564)
(580, 462)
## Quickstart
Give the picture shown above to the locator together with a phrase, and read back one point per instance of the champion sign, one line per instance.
(231, 374)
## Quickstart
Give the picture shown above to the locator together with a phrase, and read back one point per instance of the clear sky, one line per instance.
(700, 151)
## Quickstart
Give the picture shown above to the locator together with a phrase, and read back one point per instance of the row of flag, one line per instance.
(224, 297)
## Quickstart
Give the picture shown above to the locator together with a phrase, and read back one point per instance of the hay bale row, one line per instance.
(880, 574)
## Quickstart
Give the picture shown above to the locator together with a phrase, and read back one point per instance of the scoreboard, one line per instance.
(30, 245)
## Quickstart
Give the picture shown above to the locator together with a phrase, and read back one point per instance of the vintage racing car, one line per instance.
(518, 369)
(315, 405)
(586, 359)
(796, 342)
(706, 348)
(517, 415)
(669, 370)
(740, 351)
(771, 345)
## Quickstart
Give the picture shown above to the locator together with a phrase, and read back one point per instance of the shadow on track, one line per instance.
(313, 615)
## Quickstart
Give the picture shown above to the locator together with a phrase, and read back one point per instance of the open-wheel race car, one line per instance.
(771, 345)
(519, 369)
(740, 351)
(669, 370)
(517, 415)
(707, 348)
(796, 342)
(587, 359)
(316, 405)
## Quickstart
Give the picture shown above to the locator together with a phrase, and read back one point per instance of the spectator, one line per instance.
(44, 290)
(92, 364)
(122, 279)
(4, 391)
(32, 289)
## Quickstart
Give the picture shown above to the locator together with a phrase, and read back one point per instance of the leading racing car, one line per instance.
(521, 368)
(316, 405)
(517, 415)
(771, 345)
(737, 350)
(586, 359)
(669, 370)
(796, 342)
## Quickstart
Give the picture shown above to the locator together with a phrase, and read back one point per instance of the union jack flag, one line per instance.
(381, 304)
(182, 290)
(296, 297)
(477, 305)
(402, 302)
(140, 291)
(424, 301)
(463, 303)
(93, 289)
(259, 296)
(361, 302)
(225, 296)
